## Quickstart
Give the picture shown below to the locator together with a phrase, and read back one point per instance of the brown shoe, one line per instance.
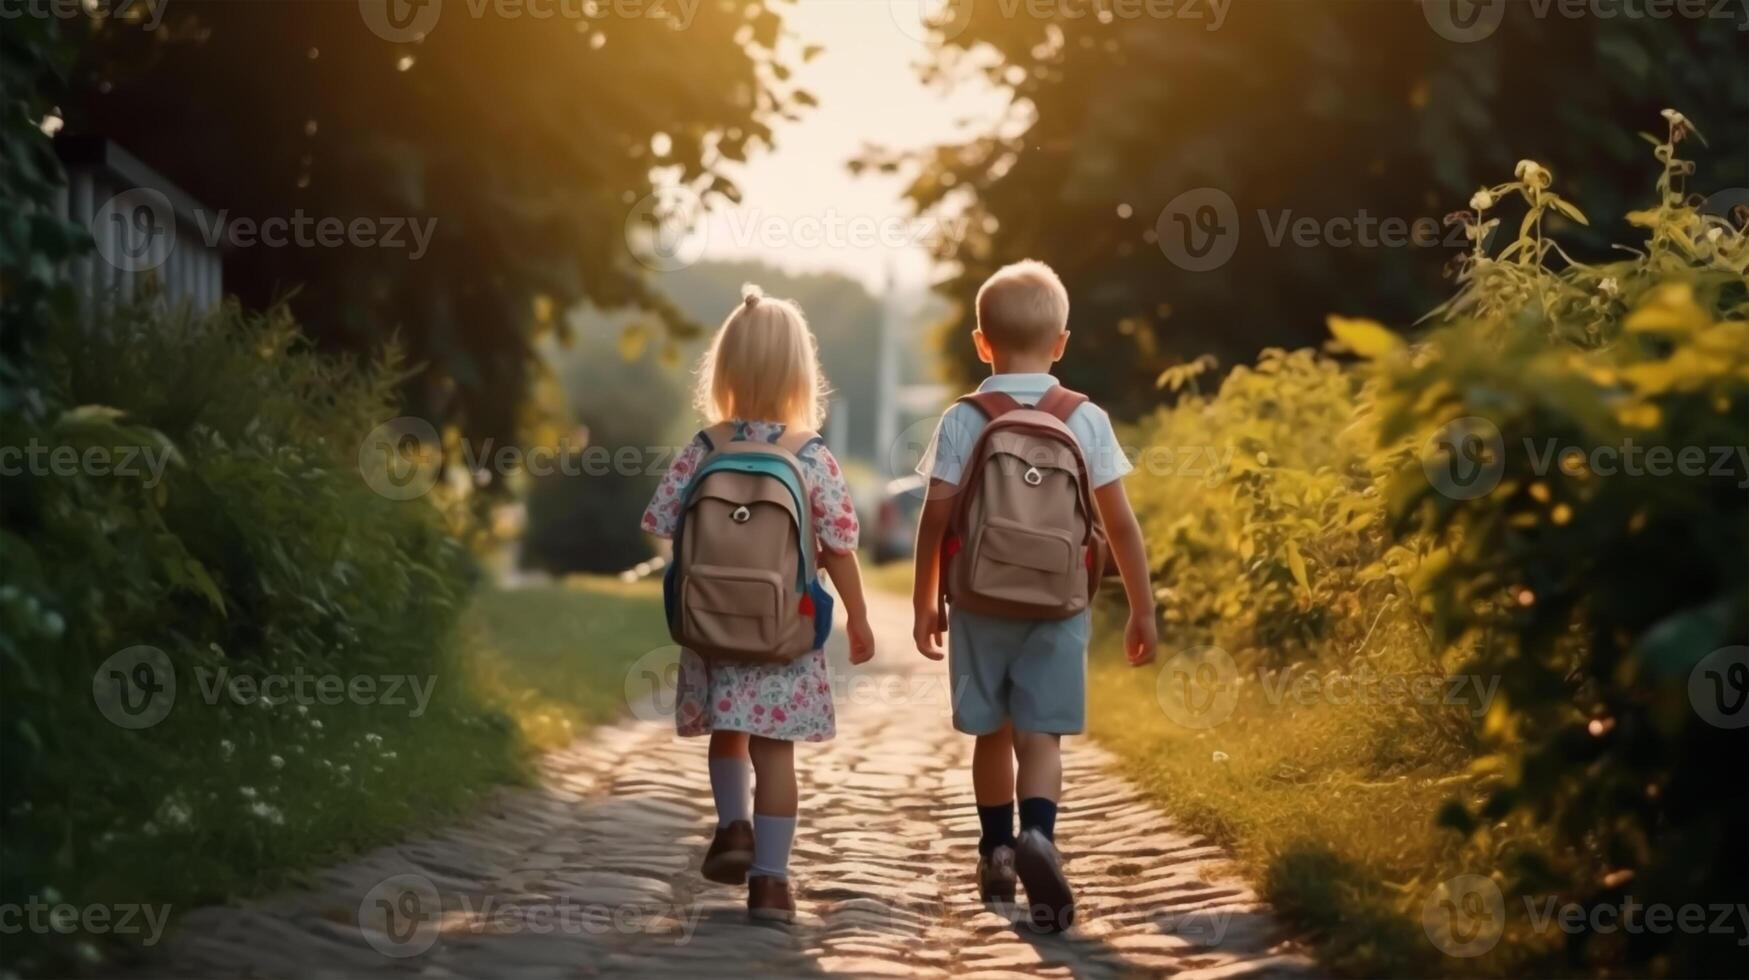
(996, 874)
(730, 854)
(769, 898)
(1049, 900)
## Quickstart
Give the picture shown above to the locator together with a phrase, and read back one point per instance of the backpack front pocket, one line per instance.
(1026, 565)
(735, 610)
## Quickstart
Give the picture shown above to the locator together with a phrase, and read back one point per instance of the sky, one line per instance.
(801, 208)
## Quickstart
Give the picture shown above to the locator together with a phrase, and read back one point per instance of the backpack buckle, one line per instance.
(1033, 477)
(740, 515)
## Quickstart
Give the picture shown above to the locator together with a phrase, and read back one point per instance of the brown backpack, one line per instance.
(742, 587)
(1025, 540)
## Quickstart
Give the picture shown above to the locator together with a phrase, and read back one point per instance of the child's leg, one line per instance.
(993, 788)
(731, 777)
(774, 805)
(1039, 782)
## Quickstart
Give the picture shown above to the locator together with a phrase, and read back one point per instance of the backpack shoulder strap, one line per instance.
(717, 436)
(991, 403)
(1061, 402)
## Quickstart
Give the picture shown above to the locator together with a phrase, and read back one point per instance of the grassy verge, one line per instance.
(1326, 798)
(554, 658)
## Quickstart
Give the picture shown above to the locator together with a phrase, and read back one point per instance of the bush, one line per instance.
(1442, 503)
(1603, 592)
(228, 528)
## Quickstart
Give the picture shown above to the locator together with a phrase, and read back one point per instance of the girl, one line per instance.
(760, 380)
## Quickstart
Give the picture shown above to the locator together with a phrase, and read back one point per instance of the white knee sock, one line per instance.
(772, 837)
(732, 786)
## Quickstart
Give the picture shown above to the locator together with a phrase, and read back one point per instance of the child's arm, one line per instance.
(846, 573)
(927, 625)
(1140, 636)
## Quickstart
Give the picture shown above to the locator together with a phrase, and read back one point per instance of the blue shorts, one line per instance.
(1030, 671)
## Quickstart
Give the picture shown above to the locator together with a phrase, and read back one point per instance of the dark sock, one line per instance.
(998, 826)
(1038, 812)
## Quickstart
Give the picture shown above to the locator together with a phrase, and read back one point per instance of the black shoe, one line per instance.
(1040, 866)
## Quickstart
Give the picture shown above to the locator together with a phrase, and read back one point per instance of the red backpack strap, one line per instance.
(991, 403)
(1061, 402)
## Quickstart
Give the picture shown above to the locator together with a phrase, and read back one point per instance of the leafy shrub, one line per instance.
(1334, 536)
(257, 550)
(1593, 586)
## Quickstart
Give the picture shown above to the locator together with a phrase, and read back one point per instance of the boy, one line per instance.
(1020, 684)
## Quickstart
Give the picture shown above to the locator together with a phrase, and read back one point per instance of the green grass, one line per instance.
(271, 793)
(1327, 808)
(554, 658)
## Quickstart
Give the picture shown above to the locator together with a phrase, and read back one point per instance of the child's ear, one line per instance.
(982, 343)
(1059, 347)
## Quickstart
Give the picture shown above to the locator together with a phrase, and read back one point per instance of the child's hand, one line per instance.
(926, 630)
(862, 645)
(1140, 637)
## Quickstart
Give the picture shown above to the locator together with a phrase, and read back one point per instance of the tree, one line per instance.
(522, 143)
(1357, 112)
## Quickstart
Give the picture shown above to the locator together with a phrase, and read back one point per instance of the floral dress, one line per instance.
(790, 701)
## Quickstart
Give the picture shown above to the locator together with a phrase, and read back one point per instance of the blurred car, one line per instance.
(895, 522)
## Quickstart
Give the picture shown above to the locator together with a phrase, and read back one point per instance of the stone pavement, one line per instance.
(595, 873)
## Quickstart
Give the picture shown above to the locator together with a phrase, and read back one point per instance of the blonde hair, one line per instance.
(1023, 307)
(762, 366)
